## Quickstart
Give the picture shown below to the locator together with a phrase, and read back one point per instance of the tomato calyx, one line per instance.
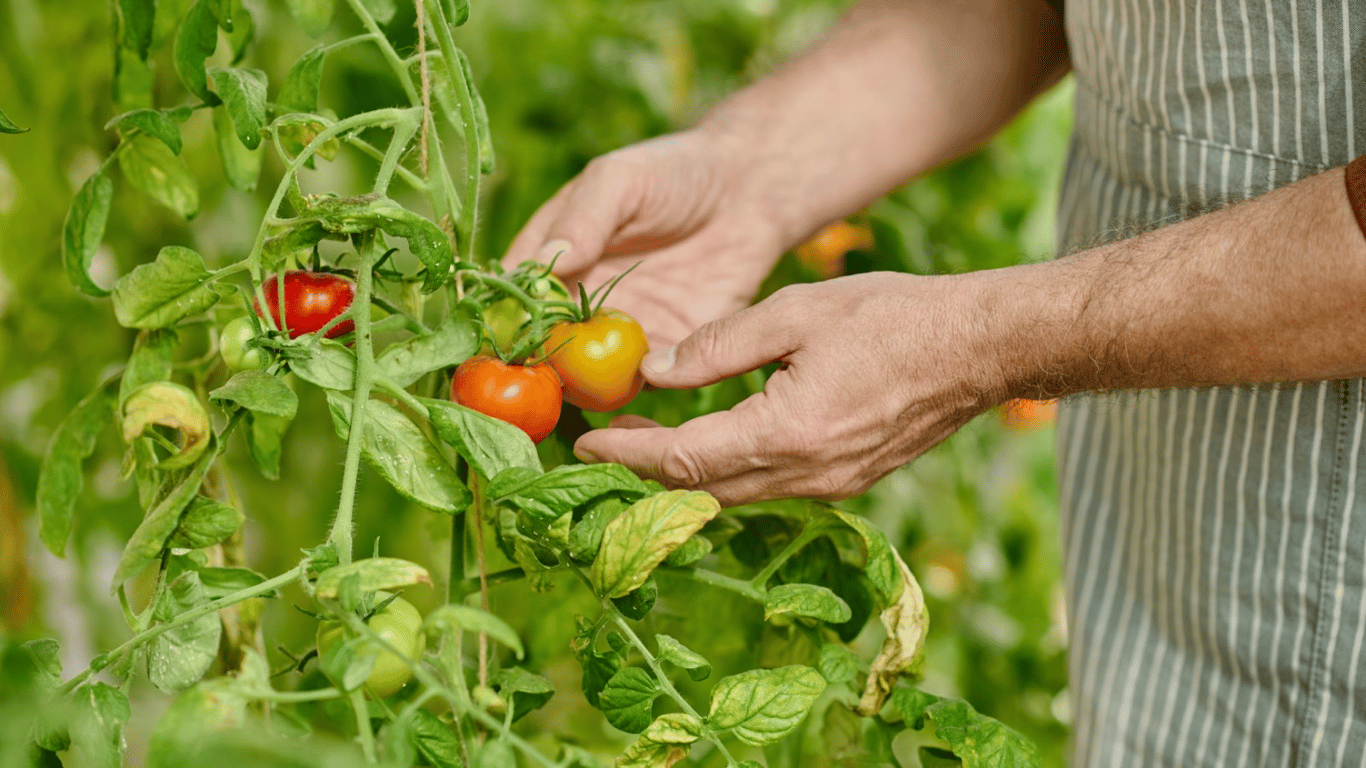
(515, 309)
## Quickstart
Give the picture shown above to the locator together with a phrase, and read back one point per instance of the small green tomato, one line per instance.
(401, 626)
(234, 343)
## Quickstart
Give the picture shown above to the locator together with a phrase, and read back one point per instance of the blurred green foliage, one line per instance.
(564, 80)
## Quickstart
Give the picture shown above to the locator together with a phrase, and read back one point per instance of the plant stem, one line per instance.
(807, 536)
(477, 486)
(738, 586)
(293, 697)
(365, 372)
(364, 733)
(464, 91)
(185, 618)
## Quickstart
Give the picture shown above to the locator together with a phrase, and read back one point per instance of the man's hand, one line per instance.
(675, 205)
(876, 369)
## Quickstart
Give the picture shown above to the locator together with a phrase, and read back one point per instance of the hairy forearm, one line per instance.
(898, 87)
(1270, 290)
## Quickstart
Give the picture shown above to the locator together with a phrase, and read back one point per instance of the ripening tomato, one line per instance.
(400, 625)
(599, 359)
(525, 396)
(234, 344)
(312, 299)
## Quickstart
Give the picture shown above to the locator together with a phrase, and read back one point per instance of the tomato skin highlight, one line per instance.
(233, 346)
(400, 625)
(599, 359)
(312, 299)
(527, 397)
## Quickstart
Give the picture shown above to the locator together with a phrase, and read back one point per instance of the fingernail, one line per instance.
(551, 250)
(659, 362)
(587, 457)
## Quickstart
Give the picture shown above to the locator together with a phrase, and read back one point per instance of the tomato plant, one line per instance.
(396, 624)
(525, 396)
(311, 301)
(235, 345)
(599, 359)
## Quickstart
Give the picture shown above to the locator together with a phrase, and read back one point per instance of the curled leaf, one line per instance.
(168, 404)
(906, 621)
(374, 574)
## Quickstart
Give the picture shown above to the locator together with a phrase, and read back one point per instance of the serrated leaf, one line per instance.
(586, 536)
(881, 564)
(462, 618)
(194, 43)
(330, 366)
(639, 540)
(906, 620)
(299, 91)
(434, 740)
(355, 215)
(488, 444)
(674, 728)
(764, 705)
(809, 600)
(152, 122)
(639, 602)
(259, 392)
(446, 347)
(314, 16)
(83, 231)
(548, 495)
(373, 574)
(150, 538)
(679, 655)
(396, 449)
(264, 441)
(837, 664)
(243, 92)
(179, 657)
(525, 691)
(61, 479)
(977, 740)
(241, 166)
(628, 699)
(205, 523)
(170, 405)
(164, 292)
(151, 361)
(644, 753)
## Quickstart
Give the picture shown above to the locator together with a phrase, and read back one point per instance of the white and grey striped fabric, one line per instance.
(1215, 539)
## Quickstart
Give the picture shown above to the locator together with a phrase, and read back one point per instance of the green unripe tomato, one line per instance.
(238, 353)
(401, 626)
(504, 318)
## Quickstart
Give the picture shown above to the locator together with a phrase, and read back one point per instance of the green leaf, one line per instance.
(135, 22)
(133, 81)
(243, 92)
(152, 122)
(258, 392)
(446, 347)
(205, 523)
(169, 405)
(679, 655)
(330, 366)
(178, 737)
(264, 437)
(373, 574)
(395, 447)
(628, 699)
(8, 126)
(453, 617)
(61, 479)
(97, 731)
(548, 495)
(907, 621)
(692, 551)
(219, 582)
(639, 602)
(166, 291)
(881, 564)
(977, 740)
(241, 166)
(243, 31)
(645, 534)
(481, 116)
(762, 706)
(299, 91)
(524, 690)
(457, 11)
(586, 536)
(598, 668)
(810, 600)
(83, 231)
(837, 664)
(161, 520)
(222, 12)
(314, 16)
(179, 657)
(194, 43)
(674, 728)
(47, 658)
(151, 167)
(151, 361)
(490, 445)
(644, 753)
(382, 10)
(355, 215)
(434, 740)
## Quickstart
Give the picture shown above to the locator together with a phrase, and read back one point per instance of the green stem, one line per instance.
(412, 179)
(712, 578)
(807, 536)
(364, 733)
(464, 91)
(294, 697)
(183, 619)
(404, 130)
(365, 372)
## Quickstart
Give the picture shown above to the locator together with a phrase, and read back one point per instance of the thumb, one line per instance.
(748, 339)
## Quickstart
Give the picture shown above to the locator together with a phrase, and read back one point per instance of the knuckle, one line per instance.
(680, 469)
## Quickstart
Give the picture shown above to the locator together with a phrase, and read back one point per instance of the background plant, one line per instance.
(974, 518)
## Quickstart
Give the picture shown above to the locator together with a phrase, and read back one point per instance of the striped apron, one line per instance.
(1214, 539)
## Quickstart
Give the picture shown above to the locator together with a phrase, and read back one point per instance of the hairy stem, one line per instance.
(365, 372)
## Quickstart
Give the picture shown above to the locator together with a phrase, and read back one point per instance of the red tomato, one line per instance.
(312, 299)
(599, 359)
(527, 397)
